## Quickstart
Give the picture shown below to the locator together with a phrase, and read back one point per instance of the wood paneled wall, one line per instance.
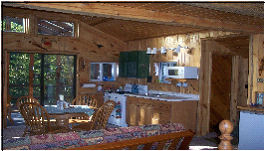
(85, 46)
(256, 66)
(192, 41)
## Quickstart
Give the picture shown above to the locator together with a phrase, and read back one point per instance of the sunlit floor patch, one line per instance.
(202, 148)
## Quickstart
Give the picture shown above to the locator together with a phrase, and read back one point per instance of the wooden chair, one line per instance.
(24, 99)
(8, 109)
(38, 120)
(99, 119)
(85, 100)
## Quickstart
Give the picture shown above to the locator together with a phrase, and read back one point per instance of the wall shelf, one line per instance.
(251, 109)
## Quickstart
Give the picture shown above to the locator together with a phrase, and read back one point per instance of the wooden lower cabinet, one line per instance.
(142, 111)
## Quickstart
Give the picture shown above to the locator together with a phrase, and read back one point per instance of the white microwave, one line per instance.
(178, 72)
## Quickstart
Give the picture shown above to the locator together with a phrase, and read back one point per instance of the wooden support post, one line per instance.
(203, 112)
(31, 74)
(58, 75)
(226, 128)
(234, 89)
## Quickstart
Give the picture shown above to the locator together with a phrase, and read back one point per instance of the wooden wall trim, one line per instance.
(250, 77)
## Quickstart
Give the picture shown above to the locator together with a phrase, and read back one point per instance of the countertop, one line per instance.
(259, 110)
(165, 96)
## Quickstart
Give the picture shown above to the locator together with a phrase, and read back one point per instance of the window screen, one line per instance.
(55, 28)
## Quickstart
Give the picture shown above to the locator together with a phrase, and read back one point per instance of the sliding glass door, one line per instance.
(58, 78)
(43, 76)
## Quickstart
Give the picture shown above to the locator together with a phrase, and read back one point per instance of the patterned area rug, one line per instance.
(208, 142)
(13, 131)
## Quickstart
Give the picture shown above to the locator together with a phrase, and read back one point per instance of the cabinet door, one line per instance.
(161, 112)
(132, 111)
(143, 65)
(132, 64)
(123, 64)
(131, 69)
(132, 56)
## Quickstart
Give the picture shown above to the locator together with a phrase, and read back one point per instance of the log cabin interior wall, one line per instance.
(85, 46)
(203, 43)
(192, 59)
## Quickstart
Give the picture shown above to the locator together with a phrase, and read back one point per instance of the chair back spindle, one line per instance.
(85, 100)
(36, 118)
(102, 115)
(24, 99)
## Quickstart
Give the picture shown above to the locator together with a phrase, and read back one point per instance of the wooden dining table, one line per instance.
(62, 116)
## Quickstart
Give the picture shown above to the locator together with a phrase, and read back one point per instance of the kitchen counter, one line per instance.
(144, 110)
(157, 107)
(166, 97)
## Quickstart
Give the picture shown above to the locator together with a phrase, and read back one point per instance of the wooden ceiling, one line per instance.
(133, 21)
(132, 30)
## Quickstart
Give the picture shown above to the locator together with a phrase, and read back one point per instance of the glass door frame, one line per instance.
(42, 72)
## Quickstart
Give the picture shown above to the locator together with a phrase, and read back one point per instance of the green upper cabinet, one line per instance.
(143, 65)
(134, 64)
(123, 64)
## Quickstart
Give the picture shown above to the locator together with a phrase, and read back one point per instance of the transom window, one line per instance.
(14, 24)
(55, 28)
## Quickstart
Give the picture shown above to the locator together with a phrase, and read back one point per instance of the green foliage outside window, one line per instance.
(13, 25)
(18, 75)
(57, 78)
(16, 27)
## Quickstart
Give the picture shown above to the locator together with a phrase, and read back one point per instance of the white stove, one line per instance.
(118, 115)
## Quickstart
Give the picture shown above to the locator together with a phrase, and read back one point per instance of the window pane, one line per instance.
(13, 24)
(55, 28)
(95, 72)
(58, 78)
(18, 75)
(107, 72)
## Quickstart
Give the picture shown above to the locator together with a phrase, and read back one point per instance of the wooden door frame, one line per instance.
(208, 47)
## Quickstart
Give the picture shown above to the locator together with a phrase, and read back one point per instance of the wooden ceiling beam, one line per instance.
(142, 15)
